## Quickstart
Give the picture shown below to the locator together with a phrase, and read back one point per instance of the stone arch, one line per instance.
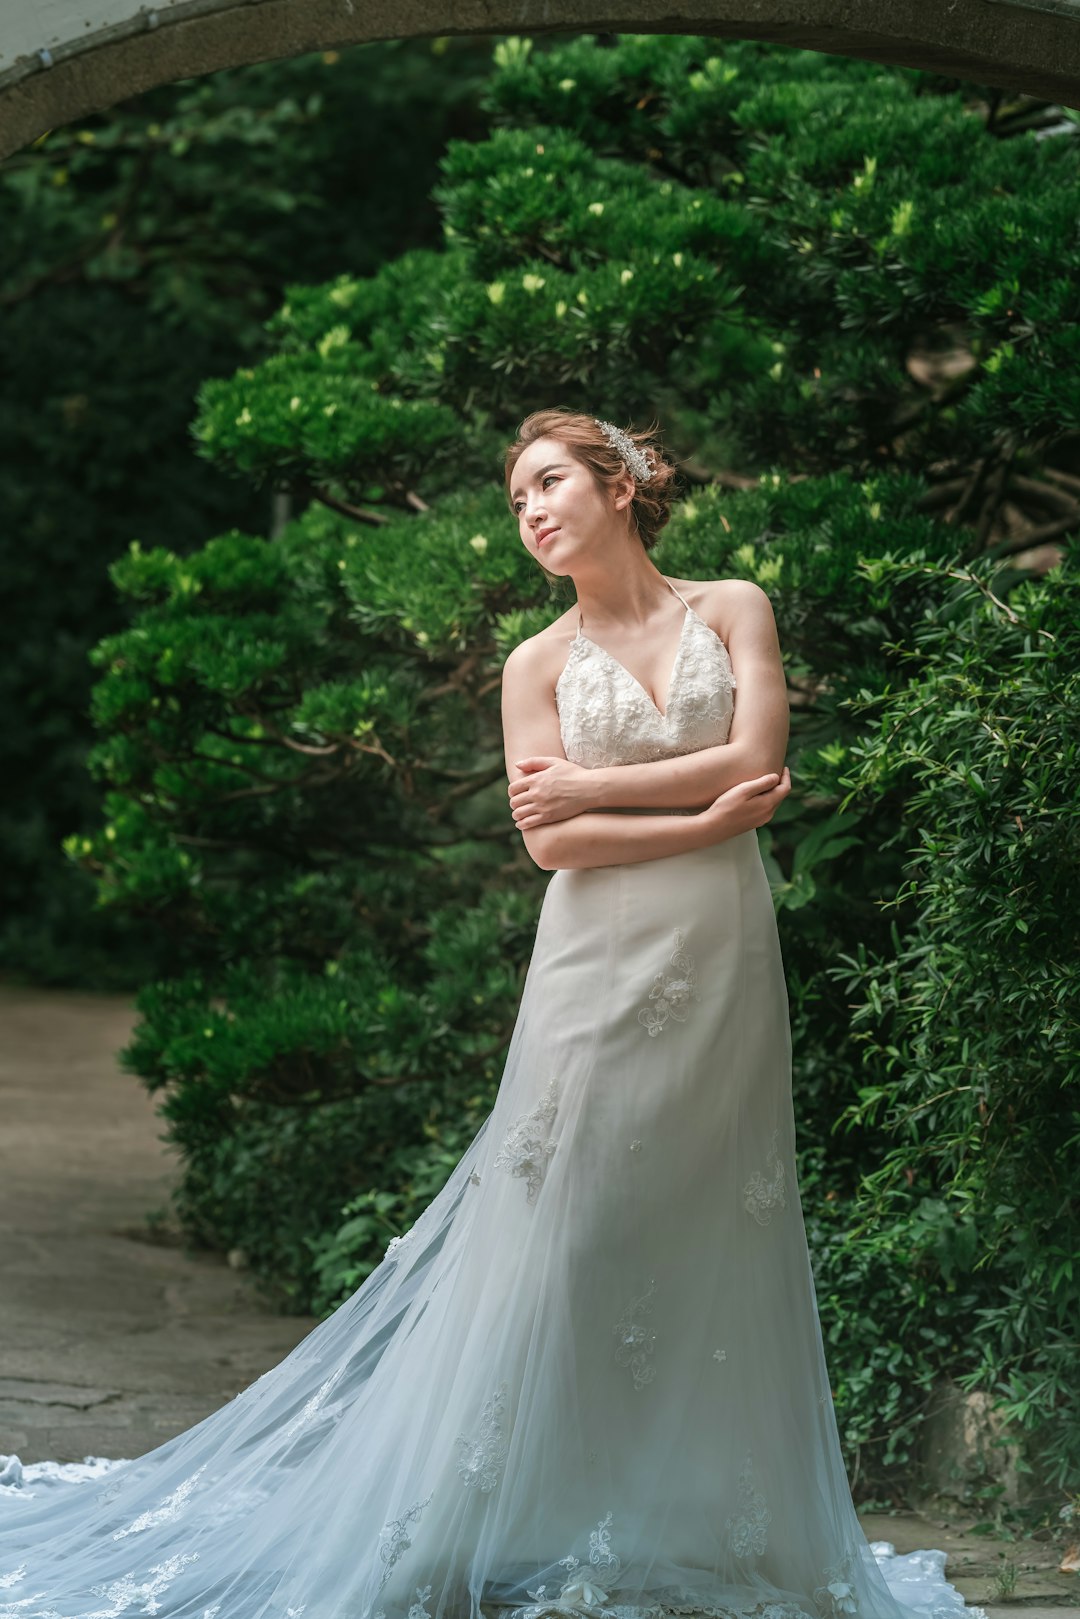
(63, 59)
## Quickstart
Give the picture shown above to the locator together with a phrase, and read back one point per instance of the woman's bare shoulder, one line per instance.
(723, 603)
(547, 650)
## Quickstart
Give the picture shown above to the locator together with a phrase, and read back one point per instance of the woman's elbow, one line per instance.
(538, 844)
(769, 750)
(771, 761)
(762, 758)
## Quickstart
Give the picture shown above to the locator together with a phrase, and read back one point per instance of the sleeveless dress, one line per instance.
(590, 1380)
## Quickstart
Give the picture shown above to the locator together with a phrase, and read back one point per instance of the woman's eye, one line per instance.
(543, 483)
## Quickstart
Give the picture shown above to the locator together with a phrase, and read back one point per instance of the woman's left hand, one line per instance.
(552, 789)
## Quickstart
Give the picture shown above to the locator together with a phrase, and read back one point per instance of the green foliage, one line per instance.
(300, 744)
(970, 1023)
(893, 1315)
(142, 251)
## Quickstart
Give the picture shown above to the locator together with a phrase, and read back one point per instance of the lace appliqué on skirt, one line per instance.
(171, 1507)
(527, 1146)
(747, 1527)
(590, 1586)
(122, 1594)
(397, 1540)
(318, 1399)
(837, 1596)
(580, 1593)
(672, 994)
(483, 1458)
(418, 1609)
(636, 1343)
(760, 1194)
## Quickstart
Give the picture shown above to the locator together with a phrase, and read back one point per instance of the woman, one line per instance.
(590, 1380)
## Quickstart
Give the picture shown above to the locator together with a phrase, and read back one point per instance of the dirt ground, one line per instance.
(114, 1341)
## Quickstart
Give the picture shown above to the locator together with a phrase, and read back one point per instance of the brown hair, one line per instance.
(651, 506)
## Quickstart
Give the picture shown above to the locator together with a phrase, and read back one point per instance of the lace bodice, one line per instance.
(606, 717)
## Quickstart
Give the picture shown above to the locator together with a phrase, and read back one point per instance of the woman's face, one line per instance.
(552, 491)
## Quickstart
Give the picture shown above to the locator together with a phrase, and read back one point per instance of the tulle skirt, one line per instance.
(590, 1380)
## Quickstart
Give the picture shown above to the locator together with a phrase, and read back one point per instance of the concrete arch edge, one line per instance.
(1026, 45)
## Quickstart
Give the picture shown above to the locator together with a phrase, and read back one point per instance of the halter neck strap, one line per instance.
(667, 582)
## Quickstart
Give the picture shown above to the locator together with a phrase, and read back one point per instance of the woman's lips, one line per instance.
(544, 538)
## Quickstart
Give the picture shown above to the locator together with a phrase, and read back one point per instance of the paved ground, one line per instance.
(111, 1342)
(974, 1563)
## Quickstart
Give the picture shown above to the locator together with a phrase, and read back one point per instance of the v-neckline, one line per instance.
(662, 712)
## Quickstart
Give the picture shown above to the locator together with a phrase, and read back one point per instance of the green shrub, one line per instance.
(969, 1023)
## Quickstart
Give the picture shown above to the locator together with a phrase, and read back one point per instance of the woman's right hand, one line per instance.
(748, 804)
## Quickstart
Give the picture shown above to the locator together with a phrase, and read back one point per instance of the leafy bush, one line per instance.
(969, 1024)
(143, 249)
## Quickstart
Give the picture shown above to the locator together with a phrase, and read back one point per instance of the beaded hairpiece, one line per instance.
(634, 458)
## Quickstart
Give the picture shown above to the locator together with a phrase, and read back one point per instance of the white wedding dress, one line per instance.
(590, 1380)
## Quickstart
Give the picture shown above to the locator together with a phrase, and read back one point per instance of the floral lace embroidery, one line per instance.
(418, 1610)
(837, 1595)
(171, 1507)
(588, 1587)
(122, 1594)
(636, 1343)
(527, 1149)
(398, 1541)
(719, 1354)
(747, 1526)
(672, 995)
(607, 718)
(579, 1592)
(483, 1458)
(304, 1416)
(761, 1196)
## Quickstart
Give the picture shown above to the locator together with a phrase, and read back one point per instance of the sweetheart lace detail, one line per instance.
(606, 717)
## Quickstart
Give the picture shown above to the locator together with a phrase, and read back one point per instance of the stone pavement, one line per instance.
(974, 1562)
(113, 1340)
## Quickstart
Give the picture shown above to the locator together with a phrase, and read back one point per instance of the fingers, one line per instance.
(770, 782)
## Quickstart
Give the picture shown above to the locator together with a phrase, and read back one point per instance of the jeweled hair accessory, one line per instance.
(634, 458)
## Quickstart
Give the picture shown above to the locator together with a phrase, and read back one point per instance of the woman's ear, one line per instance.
(625, 490)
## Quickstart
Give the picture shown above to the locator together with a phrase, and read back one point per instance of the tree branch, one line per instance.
(357, 513)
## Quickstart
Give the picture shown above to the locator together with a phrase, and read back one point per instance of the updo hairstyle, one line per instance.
(651, 505)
